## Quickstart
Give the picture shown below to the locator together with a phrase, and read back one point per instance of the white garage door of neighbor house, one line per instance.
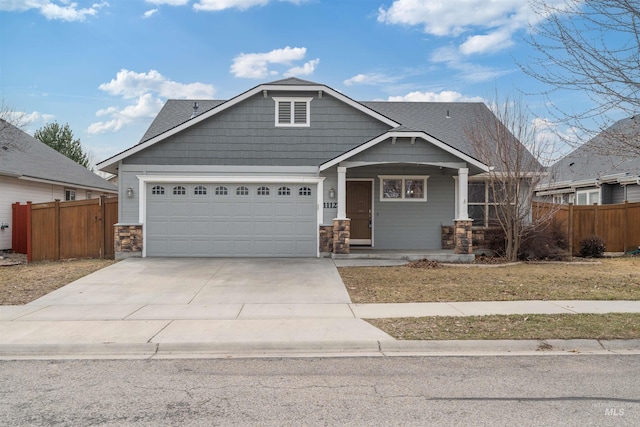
(220, 220)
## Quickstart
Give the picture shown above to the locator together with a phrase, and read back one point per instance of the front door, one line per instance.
(359, 211)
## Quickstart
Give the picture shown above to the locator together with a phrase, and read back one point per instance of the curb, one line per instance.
(316, 349)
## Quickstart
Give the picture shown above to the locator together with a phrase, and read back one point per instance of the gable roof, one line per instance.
(604, 158)
(290, 84)
(23, 156)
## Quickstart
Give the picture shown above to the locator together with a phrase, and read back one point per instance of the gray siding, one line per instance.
(403, 151)
(607, 194)
(411, 225)
(246, 134)
(331, 181)
(633, 193)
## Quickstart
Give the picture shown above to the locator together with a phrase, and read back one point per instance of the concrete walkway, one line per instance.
(136, 308)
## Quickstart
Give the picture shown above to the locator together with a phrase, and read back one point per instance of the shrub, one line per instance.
(544, 242)
(592, 247)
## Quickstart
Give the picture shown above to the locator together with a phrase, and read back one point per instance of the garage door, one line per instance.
(218, 220)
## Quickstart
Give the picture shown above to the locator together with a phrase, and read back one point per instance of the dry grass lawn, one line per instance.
(608, 279)
(21, 284)
(530, 326)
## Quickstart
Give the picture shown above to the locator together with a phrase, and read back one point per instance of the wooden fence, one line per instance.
(63, 230)
(618, 225)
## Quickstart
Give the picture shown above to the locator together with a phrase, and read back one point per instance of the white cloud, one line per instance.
(496, 21)
(307, 69)
(169, 2)
(256, 65)
(466, 70)
(26, 119)
(62, 10)
(444, 96)
(217, 5)
(148, 90)
(369, 79)
(149, 13)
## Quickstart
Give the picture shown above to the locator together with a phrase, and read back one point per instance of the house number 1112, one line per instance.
(331, 205)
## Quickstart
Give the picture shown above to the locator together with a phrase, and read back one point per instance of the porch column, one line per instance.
(463, 236)
(342, 193)
(341, 224)
(463, 195)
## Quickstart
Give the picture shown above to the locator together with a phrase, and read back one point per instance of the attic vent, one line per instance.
(195, 110)
(448, 116)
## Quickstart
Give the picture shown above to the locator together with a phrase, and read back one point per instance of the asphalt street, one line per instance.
(569, 390)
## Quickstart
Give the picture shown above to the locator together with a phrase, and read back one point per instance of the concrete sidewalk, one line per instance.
(252, 307)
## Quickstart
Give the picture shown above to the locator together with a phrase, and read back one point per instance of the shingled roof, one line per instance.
(24, 156)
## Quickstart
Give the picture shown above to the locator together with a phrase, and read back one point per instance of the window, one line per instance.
(157, 189)
(242, 191)
(200, 190)
(304, 191)
(401, 188)
(588, 197)
(221, 191)
(284, 191)
(482, 204)
(179, 190)
(263, 191)
(89, 195)
(293, 111)
(69, 194)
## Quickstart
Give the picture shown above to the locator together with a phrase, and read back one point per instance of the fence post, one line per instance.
(29, 247)
(57, 229)
(570, 230)
(625, 244)
(103, 246)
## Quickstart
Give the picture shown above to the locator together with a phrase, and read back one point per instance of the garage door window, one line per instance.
(284, 191)
(242, 191)
(263, 191)
(157, 189)
(179, 191)
(200, 190)
(221, 191)
(304, 191)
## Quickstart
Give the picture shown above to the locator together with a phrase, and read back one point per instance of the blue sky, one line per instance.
(106, 68)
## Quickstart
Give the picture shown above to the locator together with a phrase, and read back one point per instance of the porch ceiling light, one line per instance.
(130, 192)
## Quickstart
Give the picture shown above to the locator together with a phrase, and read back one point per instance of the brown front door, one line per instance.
(359, 211)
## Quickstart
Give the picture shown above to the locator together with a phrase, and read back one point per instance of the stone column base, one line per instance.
(127, 241)
(326, 238)
(341, 236)
(463, 237)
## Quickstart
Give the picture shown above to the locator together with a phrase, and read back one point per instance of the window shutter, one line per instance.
(300, 112)
(284, 112)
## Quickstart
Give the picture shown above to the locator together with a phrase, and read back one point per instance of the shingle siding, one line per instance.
(246, 135)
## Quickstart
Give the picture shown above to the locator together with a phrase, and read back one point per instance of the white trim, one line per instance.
(106, 164)
(373, 216)
(403, 178)
(396, 134)
(588, 192)
(143, 180)
(292, 101)
(63, 184)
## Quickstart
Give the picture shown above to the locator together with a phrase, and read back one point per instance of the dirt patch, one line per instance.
(609, 279)
(21, 283)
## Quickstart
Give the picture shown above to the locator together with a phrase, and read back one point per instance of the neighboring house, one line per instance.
(296, 168)
(599, 172)
(32, 171)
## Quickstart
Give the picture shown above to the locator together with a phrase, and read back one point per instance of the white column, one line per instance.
(463, 195)
(342, 193)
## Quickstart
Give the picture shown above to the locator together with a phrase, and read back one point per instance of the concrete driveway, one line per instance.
(194, 302)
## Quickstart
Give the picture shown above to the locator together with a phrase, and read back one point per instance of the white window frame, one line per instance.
(404, 179)
(588, 193)
(292, 101)
(69, 194)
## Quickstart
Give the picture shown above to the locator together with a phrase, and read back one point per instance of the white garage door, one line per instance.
(219, 220)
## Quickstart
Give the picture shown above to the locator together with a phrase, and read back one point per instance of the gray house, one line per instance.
(296, 168)
(601, 171)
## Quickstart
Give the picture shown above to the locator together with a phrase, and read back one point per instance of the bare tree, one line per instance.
(10, 120)
(510, 143)
(592, 48)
